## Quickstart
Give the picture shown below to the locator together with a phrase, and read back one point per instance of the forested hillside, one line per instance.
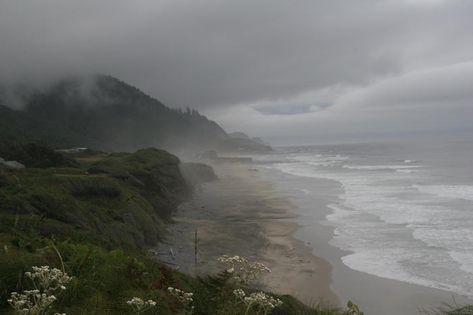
(104, 113)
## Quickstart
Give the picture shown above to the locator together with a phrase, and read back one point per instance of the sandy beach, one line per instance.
(247, 213)
(241, 215)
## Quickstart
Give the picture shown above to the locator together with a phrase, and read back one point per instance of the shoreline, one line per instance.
(241, 214)
(375, 295)
(256, 214)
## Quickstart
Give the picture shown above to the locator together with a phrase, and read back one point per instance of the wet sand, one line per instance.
(241, 215)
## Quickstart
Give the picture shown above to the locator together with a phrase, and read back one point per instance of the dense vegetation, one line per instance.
(118, 199)
(103, 280)
(34, 155)
(107, 114)
(95, 217)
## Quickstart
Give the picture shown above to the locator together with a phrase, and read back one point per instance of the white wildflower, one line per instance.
(260, 300)
(185, 298)
(46, 282)
(139, 305)
(50, 279)
(30, 302)
(241, 269)
(239, 293)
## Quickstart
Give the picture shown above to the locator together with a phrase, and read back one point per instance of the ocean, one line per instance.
(401, 211)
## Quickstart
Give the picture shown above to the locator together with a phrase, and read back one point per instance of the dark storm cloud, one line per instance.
(202, 53)
(229, 58)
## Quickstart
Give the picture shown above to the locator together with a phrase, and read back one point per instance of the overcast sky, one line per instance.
(294, 71)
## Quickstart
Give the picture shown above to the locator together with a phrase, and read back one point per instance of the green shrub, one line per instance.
(34, 155)
(93, 187)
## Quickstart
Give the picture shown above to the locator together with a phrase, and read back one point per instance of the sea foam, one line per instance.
(395, 228)
(464, 192)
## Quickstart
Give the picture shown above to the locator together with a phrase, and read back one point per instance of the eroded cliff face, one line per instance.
(197, 173)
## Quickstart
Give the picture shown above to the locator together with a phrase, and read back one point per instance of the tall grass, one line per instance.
(103, 281)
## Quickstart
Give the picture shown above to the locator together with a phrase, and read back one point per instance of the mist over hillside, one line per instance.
(102, 112)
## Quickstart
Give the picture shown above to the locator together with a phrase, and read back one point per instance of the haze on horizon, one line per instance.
(288, 71)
